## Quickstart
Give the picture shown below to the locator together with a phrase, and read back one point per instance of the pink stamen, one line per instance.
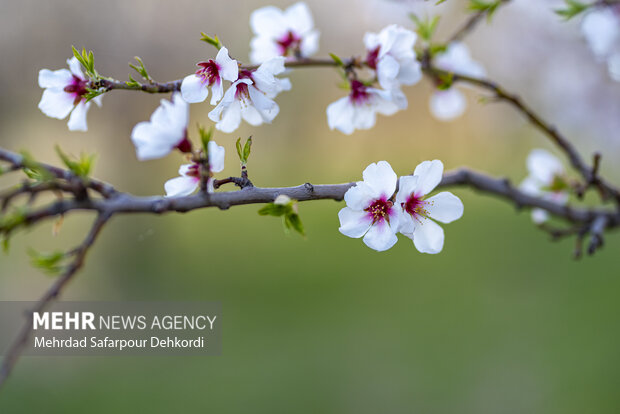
(209, 72)
(379, 210)
(289, 44)
(359, 93)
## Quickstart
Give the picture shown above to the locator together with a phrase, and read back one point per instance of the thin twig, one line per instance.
(14, 351)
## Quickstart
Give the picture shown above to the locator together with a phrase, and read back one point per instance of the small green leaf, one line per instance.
(573, 8)
(87, 59)
(482, 6)
(336, 59)
(295, 223)
(273, 209)
(50, 263)
(213, 41)
(239, 150)
(425, 27)
(247, 149)
(80, 167)
(205, 136)
(141, 69)
(33, 169)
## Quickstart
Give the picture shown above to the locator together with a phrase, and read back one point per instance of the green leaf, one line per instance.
(425, 27)
(482, 6)
(573, 8)
(239, 150)
(247, 149)
(336, 59)
(141, 69)
(286, 208)
(87, 59)
(50, 263)
(213, 41)
(33, 169)
(244, 153)
(205, 136)
(293, 221)
(79, 166)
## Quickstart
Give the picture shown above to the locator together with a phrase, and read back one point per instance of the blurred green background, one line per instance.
(502, 321)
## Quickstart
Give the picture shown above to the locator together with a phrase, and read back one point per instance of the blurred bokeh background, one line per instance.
(502, 321)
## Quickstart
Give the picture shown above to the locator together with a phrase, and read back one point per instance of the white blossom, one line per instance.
(189, 178)
(358, 110)
(64, 93)
(448, 104)
(391, 55)
(419, 211)
(166, 131)
(546, 179)
(370, 213)
(195, 88)
(601, 29)
(251, 97)
(287, 33)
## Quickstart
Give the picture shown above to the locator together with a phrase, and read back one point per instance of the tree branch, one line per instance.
(79, 254)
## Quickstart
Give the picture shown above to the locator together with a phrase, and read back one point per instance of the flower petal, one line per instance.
(381, 179)
(358, 197)
(444, 207)
(77, 120)
(76, 67)
(428, 236)
(539, 216)
(543, 165)
(181, 186)
(299, 18)
(56, 103)
(340, 115)
(407, 185)
(601, 29)
(387, 70)
(193, 89)
(353, 223)
(380, 237)
(429, 175)
(310, 43)
(268, 21)
(55, 79)
(216, 157)
(228, 68)
(447, 105)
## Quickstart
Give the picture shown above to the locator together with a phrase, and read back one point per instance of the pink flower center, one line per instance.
(379, 210)
(289, 44)
(193, 171)
(371, 59)
(359, 92)
(242, 93)
(415, 206)
(185, 145)
(77, 88)
(209, 72)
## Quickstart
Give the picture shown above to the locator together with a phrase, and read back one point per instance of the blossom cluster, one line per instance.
(377, 211)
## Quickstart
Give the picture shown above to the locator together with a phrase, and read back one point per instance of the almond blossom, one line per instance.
(358, 110)
(448, 104)
(195, 88)
(391, 55)
(251, 97)
(419, 211)
(189, 179)
(165, 132)
(64, 93)
(370, 212)
(287, 33)
(601, 29)
(546, 179)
